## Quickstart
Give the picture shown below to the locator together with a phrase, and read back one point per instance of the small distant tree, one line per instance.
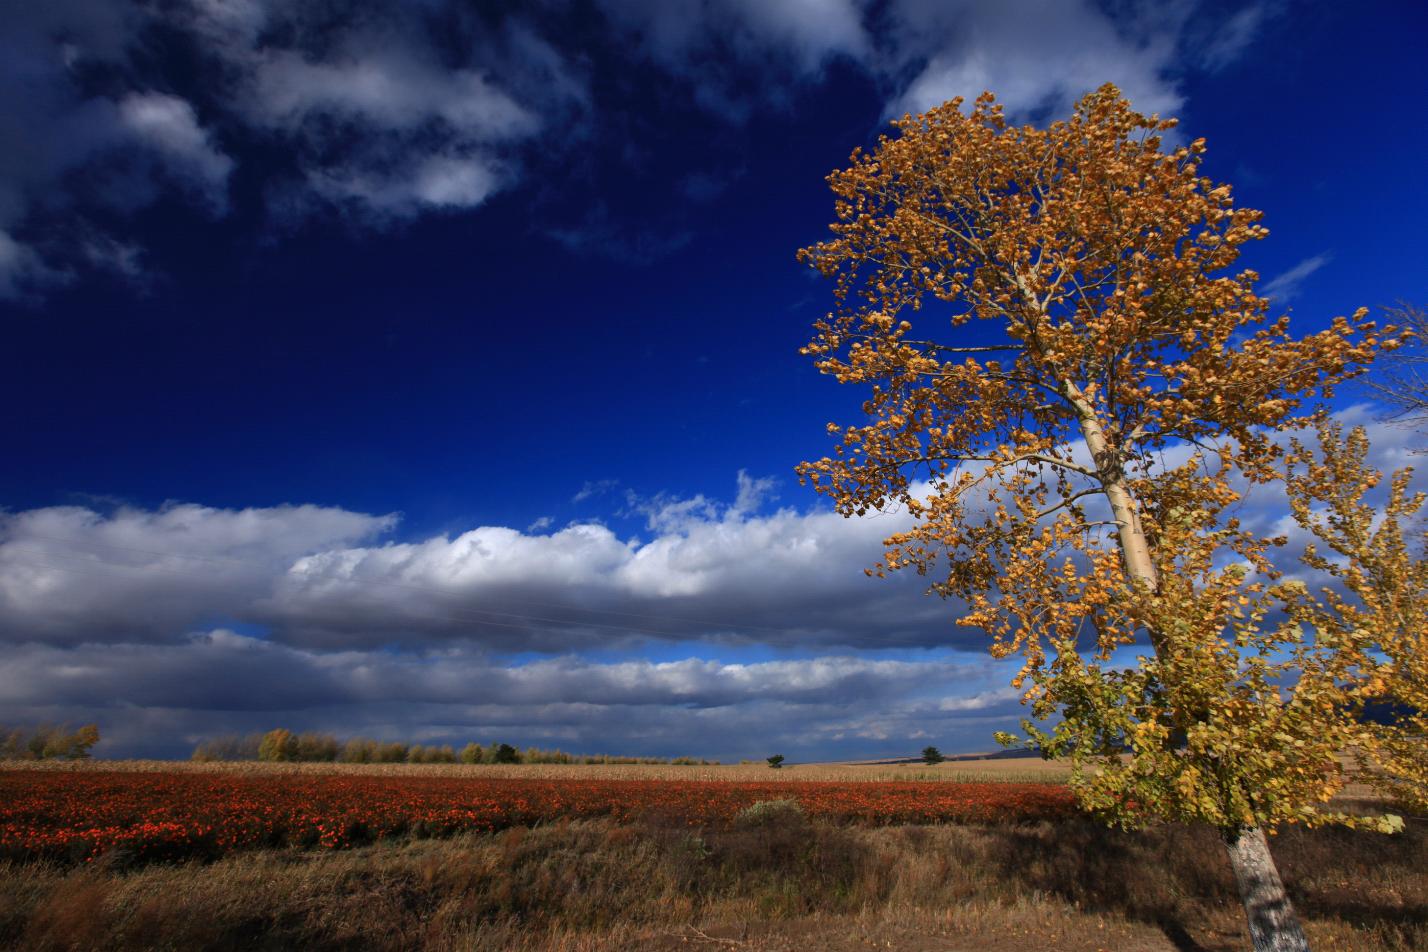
(278, 745)
(776, 761)
(228, 747)
(315, 747)
(471, 754)
(931, 755)
(12, 747)
(82, 741)
(392, 752)
(47, 742)
(1071, 472)
(506, 754)
(359, 750)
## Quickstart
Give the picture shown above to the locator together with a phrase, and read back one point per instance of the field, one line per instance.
(1028, 770)
(149, 855)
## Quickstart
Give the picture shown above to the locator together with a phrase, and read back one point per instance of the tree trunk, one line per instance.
(1273, 924)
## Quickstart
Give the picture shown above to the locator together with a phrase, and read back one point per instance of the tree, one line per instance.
(1079, 457)
(776, 761)
(81, 741)
(1404, 381)
(1376, 608)
(931, 755)
(278, 744)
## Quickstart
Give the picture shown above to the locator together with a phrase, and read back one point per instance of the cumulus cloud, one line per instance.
(168, 125)
(384, 113)
(71, 574)
(323, 579)
(51, 124)
(1039, 57)
(305, 617)
(377, 118)
(739, 54)
(316, 577)
(384, 125)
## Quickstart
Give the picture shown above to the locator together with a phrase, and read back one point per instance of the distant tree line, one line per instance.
(47, 742)
(281, 744)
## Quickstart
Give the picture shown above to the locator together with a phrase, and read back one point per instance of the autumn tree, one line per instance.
(1371, 597)
(278, 744)
(1069, 390)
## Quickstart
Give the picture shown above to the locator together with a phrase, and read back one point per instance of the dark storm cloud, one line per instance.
(220, 682)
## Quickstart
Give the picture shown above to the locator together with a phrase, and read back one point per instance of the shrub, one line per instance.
(767, 812)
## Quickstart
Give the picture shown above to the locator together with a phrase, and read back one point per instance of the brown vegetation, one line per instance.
(777, 881)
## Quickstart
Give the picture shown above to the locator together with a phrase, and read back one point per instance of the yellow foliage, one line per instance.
(1052, 338)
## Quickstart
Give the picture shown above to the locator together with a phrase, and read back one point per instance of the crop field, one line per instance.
(83, 814)
(1027, 770)
(141, 855)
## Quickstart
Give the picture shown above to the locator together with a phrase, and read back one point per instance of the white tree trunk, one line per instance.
(1273, 925)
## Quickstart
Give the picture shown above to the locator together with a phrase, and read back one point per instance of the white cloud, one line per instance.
(1038, 56)
(21, 269)
(1286, 286)
(715, 572)
(391, 94)
(812, 30)
(384, 125)
(740, 54)
(381, 118)
(70, 574)
(168, 125)
(1234, 36)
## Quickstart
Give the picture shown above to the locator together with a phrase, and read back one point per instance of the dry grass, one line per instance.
(1028, 770)
(788, 884)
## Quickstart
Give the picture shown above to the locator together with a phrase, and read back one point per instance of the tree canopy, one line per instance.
(1072, 391)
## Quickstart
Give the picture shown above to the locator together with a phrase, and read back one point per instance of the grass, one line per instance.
(780, 881)
(777, 880)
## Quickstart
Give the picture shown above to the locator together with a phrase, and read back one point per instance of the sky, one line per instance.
(430, 371)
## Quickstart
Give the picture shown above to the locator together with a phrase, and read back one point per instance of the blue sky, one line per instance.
(431, 371)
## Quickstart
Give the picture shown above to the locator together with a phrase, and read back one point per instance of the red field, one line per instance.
(81, 815)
